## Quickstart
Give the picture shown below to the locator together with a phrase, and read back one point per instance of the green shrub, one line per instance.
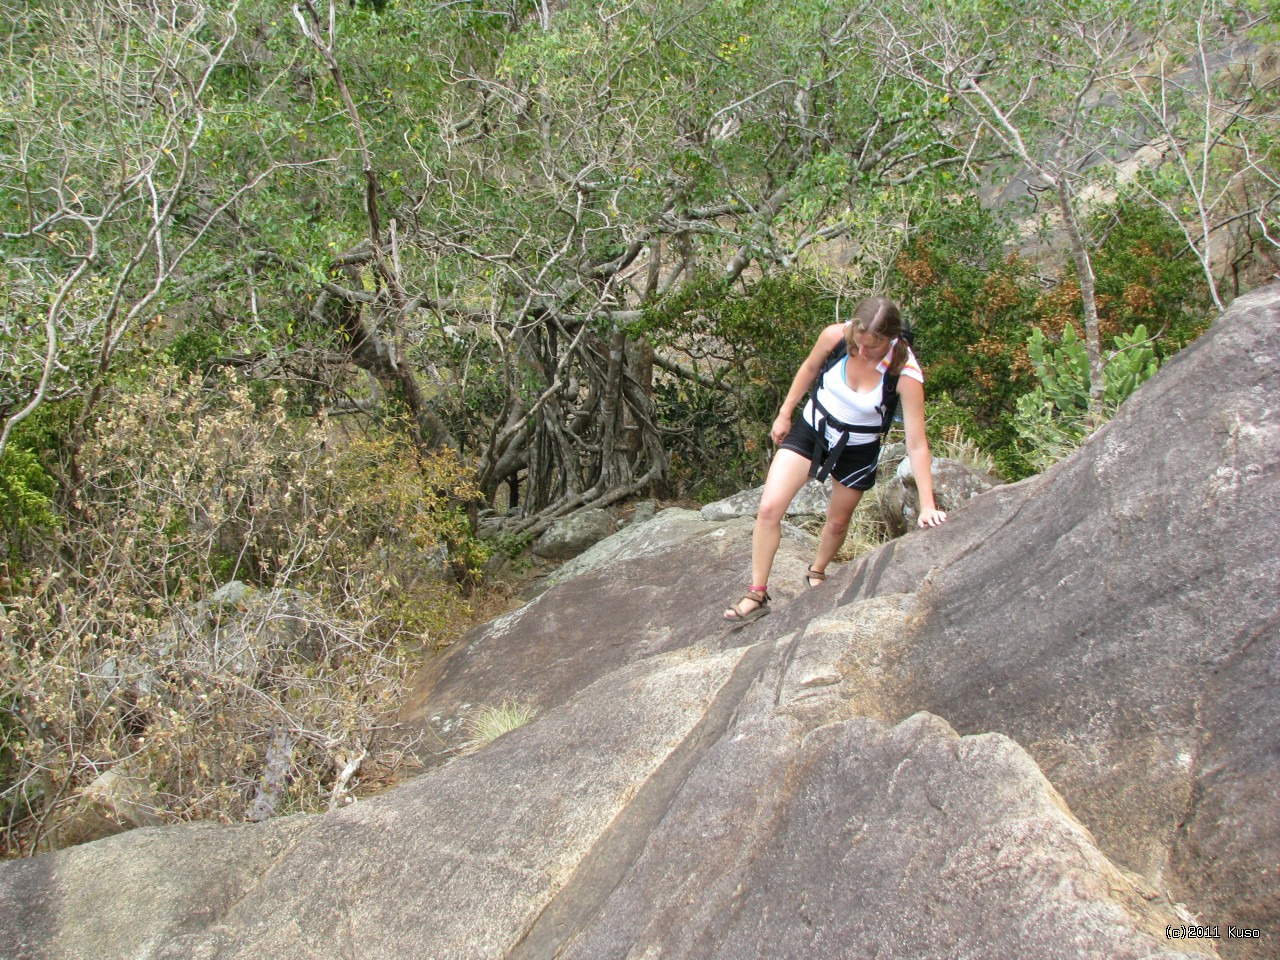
(195, 349)
(1063, 370)
(1145, 276)
(974, 304)
(26, 496)
(29, 492)
(1052, 420)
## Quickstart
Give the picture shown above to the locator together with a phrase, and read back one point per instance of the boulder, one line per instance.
(232, 595)
(117, 799)
(810, 503)
(644, 511)
(1117, 617)
(127, 896)
(713, 805)
(569, 536)
(953, 484)
(240, 628)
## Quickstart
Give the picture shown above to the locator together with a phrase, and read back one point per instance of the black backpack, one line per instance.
(888, 407)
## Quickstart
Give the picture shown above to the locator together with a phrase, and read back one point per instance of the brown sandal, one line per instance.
(760, 597)
(812, 574)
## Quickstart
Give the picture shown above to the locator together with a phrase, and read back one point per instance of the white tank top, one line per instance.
(857, 407)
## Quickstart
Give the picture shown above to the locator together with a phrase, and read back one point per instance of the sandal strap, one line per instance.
(815, 574)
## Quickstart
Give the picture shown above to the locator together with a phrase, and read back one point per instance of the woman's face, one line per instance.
(871, 346)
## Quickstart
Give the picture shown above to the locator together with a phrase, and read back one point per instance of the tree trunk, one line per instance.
(1084, 269)
(378, 357)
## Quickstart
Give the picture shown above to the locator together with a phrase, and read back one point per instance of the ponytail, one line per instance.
(901, 353)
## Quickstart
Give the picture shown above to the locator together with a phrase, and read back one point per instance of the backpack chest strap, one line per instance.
(824, 420)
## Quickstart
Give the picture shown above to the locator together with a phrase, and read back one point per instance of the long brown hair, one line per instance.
(879, 316)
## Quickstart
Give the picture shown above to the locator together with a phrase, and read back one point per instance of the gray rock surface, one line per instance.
(649, 589)
(1117, 616)
(1045, 729)
(829, 846)
(645, 511)
(674, 806)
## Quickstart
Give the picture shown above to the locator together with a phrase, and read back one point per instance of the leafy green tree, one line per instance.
(554, 180)
(105, 195)
(1027, 78)
(459, 212)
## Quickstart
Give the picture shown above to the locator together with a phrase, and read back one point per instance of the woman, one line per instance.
(850, 392)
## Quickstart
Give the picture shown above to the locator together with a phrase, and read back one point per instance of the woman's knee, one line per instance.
(838, 526)
(840, 510)
(772, 509)
(787, 475)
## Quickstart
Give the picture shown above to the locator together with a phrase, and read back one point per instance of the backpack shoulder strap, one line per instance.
(837, 354)
(889, 388)
(888, 400)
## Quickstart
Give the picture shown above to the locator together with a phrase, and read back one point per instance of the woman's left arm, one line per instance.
(911, 396)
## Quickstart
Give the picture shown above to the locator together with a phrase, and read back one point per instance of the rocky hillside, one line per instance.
(1047, 729)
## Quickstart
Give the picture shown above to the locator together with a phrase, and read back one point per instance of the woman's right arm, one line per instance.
(804, 378)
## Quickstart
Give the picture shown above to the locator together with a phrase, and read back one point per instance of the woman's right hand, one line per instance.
(781, 427)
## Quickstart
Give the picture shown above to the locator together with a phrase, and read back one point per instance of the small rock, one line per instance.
(569, 536)
(953, 484)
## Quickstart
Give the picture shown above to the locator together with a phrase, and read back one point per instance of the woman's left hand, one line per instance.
(932, 517)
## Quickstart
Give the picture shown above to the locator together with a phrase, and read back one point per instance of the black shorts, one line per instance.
(856, 468)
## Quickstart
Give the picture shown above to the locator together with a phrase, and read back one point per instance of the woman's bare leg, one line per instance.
(839, 512)
(787, 474)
